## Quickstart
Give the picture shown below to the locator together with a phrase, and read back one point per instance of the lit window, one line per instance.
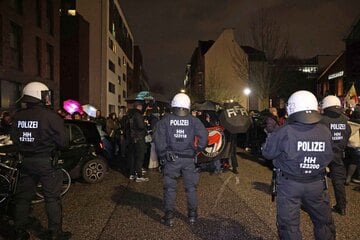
(72, 12)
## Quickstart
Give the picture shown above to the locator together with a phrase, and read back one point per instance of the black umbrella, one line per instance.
(207, 105)
(235, 118)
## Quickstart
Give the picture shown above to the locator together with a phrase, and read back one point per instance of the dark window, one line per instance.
(118, 29)
(111, 108)
(124, 94)
(119, 98)
(111, 66)
(38, 13)
(119, 79)
(16, 43)
(119, 61)
(111, 87)
(124, 77)
(50, 16)
(38, 55)
(49, 61)
(17, 5)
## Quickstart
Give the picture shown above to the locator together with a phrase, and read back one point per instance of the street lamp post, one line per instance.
(247, 92)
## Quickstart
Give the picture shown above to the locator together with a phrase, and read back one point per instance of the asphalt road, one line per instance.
(230, 207)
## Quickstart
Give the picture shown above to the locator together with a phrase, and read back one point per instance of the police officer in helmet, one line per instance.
(38, 133)
(178, 138)
(300, 150)
(341, 131)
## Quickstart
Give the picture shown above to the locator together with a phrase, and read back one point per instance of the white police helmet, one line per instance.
(331, 101)
(35, 92)
(302, 107)
(181, 100)
(181, 104)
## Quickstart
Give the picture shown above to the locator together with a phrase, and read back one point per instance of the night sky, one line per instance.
(168, 31)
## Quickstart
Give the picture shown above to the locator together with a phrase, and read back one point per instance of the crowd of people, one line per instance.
(325, 135)
(117, 129)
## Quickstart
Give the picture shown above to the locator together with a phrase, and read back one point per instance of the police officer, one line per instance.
(39, 132)
(300, 150)
(341, 131)
(178, 137)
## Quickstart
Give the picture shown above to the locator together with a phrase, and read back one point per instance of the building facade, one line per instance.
(29, 48)
(219, 71)
(352, 55)
(344, 71)
(139, 79)
(74, 58)
(332, 79)
(110, 53)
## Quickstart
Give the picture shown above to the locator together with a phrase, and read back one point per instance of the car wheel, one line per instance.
(94, 170)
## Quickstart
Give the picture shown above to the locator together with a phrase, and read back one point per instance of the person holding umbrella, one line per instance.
(235, 119)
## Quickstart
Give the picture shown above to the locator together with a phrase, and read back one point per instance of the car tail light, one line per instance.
(102, 146)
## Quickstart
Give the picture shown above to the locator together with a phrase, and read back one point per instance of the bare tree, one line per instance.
(268, 37)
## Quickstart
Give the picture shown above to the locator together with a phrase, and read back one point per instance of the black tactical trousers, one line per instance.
(34, 170)
(338, 177)
(291, 195)
(184, 167)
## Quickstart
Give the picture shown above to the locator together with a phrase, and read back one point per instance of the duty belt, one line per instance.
(307, 179)
(184, 155)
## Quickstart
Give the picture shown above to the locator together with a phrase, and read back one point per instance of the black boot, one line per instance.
(168, 219)
(192, 215)
(339, 210)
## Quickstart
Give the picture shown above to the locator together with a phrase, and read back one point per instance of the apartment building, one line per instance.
(29, 48)
(110, 53)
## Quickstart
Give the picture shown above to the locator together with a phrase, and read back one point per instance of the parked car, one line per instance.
(83, 158)
(85, 155)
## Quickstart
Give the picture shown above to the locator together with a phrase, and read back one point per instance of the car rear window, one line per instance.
(90, 131)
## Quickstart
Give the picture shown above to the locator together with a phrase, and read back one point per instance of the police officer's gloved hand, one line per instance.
(198, 150)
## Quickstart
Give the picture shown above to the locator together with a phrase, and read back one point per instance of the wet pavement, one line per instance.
(231, 206)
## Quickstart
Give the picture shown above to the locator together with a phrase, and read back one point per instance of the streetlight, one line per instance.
(247, 92)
